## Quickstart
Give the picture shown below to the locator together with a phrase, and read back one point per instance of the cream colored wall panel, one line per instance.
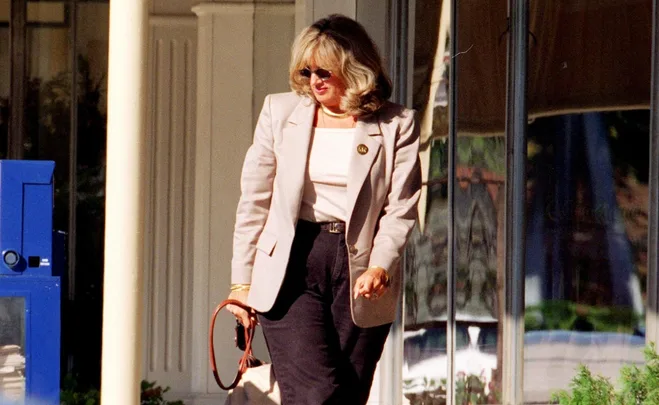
(274, 31)
(225, 92)
(372, 14)
(234, 76)
(232, 128)
(324, 8)
(169, 212)
(172, 7)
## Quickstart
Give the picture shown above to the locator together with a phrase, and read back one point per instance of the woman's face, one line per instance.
(327, 90)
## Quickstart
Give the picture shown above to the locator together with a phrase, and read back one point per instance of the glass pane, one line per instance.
(480, 183)
(479, 199)
(92, 50)
(48, 99)
(586, 264)
(424, 362)
(12, 348)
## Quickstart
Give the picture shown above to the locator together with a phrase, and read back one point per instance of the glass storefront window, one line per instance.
(587, 197)
(12, 348)
(587, 191)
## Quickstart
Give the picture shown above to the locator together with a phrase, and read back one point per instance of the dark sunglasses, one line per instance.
(323, 74)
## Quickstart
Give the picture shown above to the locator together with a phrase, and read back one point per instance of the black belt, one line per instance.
(331, 227)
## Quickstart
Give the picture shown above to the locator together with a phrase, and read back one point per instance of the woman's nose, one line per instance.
(314, 80)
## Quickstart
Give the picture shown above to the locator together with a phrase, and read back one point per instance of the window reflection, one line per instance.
(587, 195)
(478, 208)
(587, 191)
(586, 246)
(12, 348)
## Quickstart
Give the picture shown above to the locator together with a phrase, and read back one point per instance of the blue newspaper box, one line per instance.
(29, 285)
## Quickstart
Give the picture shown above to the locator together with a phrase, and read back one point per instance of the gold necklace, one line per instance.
(333, 114)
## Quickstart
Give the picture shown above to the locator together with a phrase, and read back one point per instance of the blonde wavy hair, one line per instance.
(341, 44)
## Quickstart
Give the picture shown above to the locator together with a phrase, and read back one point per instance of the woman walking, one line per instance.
(330, 188)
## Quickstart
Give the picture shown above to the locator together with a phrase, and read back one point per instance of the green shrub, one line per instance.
(638, 386)
(152, 395)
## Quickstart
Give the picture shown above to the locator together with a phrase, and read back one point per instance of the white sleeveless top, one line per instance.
(325, 198)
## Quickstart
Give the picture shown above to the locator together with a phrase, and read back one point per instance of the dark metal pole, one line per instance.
(653, 224)
(516, 126)
(452, 178)
(398, 48)
(73, 151)
(17, 78)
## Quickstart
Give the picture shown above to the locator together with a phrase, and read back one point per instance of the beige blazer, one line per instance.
(383, 191)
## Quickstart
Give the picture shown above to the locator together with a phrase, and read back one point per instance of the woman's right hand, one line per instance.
(240, 314)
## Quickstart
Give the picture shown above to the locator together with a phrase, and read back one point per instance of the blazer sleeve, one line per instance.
(400, 209)
(256, 185)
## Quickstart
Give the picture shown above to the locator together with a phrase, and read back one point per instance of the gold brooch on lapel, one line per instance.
(362, 149)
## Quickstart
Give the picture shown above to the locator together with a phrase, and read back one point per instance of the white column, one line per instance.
(121, 358)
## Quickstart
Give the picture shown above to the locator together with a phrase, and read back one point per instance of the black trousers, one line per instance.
(319, 356)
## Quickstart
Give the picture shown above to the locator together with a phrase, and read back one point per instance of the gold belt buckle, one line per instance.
(334, 227)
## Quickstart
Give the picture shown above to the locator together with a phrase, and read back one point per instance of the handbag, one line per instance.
(254, 383)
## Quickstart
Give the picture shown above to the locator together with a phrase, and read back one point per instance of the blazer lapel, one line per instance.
(365, 148)
(295, 151)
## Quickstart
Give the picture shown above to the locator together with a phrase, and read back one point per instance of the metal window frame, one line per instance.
(400, 52)
(652, 322)
(515, 203)
(452, 179)
(73, 151)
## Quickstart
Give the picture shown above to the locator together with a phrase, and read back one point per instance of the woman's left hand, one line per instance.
(372, 284)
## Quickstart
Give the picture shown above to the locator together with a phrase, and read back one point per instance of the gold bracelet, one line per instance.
(240, 287)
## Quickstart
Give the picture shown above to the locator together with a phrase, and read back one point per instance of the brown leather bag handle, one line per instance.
(247, 360)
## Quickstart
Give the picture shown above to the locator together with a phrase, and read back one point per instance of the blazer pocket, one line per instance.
(266, 243)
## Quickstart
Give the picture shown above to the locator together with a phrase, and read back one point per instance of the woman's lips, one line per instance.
(322, 90)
